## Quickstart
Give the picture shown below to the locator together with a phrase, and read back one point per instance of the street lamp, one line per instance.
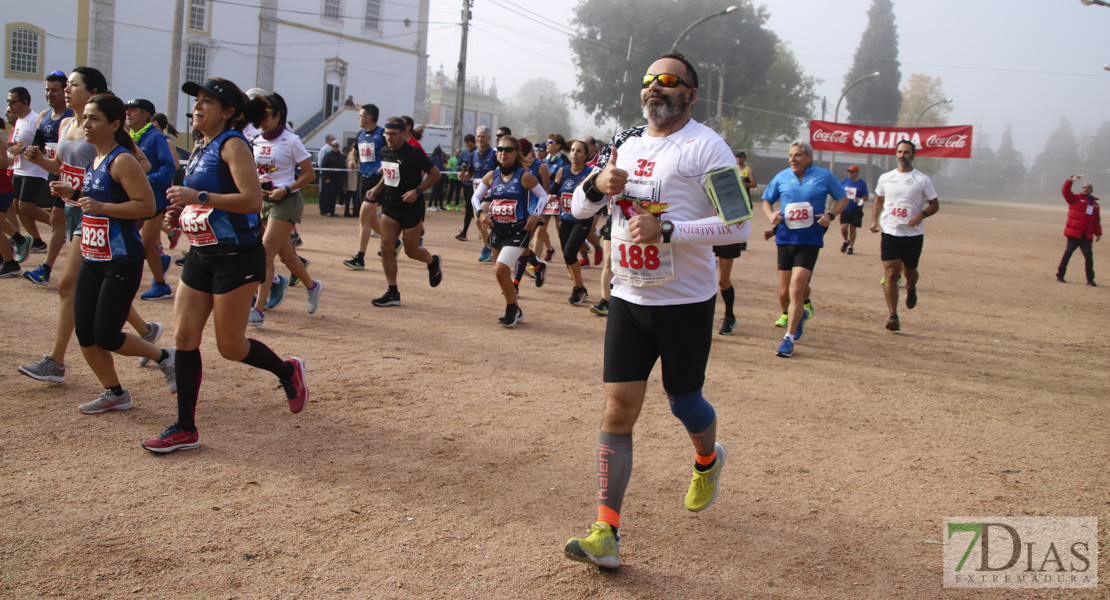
(836, 114)
(945, 101)
(682, 36)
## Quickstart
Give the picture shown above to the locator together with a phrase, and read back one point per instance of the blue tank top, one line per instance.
(509, 206)
(207, 172)
(483, 164)
(534, 169)
(568, 183)
(112, 238)
(50, 126)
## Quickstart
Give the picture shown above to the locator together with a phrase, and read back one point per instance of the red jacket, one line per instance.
(1083, 215)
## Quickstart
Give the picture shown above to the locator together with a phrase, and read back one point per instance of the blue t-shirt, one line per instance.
(370, 152)
(111, 238)
(861, 192)
(481, 164)
(163, 164)
(801, 203)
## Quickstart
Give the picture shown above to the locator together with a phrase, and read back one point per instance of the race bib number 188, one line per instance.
(640, 265)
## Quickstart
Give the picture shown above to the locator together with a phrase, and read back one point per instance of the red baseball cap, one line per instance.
(853, 168)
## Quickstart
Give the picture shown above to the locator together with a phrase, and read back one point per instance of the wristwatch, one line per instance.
(666, 228)
(202, 198)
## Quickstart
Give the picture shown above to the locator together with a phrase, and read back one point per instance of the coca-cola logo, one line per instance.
(833, 137)
(951, 141)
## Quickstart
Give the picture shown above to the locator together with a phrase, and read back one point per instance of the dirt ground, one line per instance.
(442, 456)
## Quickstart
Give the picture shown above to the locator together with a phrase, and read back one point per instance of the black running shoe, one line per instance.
(435, 270)
(390, 298)
(911, 298)
(513, 315)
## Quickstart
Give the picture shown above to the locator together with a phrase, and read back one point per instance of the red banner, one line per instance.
(945, 142)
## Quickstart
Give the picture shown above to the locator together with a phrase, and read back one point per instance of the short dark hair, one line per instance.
(504, 131)
(691, 75)
(469, 138)
(912, 146)
(372, 110)
(408, 121)
(57, 79)
(21, 93)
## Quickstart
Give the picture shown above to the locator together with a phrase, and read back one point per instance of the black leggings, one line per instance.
(571, 236)
(102, 300)
(469, 212)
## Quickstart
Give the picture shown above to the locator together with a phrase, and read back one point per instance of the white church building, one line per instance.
(325, 57)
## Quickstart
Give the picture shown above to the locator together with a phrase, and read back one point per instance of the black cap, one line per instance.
(742, 153)
(216, 88)
(146, 105)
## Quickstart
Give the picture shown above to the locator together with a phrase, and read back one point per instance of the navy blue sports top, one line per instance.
(207, 172)
(105, 238)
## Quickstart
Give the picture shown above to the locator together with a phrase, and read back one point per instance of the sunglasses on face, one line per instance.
(506, 149)
(666, 80)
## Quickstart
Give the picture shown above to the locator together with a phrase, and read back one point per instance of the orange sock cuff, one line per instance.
(608, 515)
(706, 460)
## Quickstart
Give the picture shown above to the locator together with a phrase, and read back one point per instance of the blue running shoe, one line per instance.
(786, 348)
(486, 255)
(40, 276)
(167, 260)
(801, 325)
(158, 291)
(277, 292)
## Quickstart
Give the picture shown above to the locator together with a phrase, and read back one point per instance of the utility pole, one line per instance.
(460, 81)
(173, 86)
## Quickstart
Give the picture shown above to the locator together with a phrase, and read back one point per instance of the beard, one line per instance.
(664, 111)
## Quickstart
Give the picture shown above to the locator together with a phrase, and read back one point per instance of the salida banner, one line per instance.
(944, 142)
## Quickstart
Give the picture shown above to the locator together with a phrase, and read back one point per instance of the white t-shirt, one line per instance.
(672, 171)
(24, 134)
(277, 158)
(904, 195)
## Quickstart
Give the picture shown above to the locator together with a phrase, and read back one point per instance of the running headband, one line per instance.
(398, 126)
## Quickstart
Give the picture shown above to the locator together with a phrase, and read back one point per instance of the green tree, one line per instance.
(739, 42)
(787, 90)
(1059, 158)
(538, 109)
(1097, 156)
(921, 92)
(1009, 172)
(876, 101)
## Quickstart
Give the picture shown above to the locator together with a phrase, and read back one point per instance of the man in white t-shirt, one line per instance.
(665, 287)
(903, 198)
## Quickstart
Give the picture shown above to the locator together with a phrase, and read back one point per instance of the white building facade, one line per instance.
(325, 57)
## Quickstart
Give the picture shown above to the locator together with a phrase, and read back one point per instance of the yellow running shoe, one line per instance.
(705, 484)
(602, 547)
(782, 320)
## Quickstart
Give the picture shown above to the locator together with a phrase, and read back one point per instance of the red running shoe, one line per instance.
(296, 390)
(173, 438)
(175, 236)
(598, 255)
(550, 253)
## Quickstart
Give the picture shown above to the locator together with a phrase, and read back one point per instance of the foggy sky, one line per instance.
(1020, 62)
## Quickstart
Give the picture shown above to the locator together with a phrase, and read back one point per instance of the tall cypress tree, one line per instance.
(876, 101)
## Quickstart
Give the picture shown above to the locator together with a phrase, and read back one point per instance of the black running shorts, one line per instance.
(798, 255)
(680, 335)
(224, 272)
(905, 249)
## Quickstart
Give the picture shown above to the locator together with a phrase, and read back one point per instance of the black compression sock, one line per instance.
(729, 296)
(116, 389)
(260, 356)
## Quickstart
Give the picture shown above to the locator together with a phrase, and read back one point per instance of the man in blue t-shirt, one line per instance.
(852, 217)
(799, 228)
(369, 147)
